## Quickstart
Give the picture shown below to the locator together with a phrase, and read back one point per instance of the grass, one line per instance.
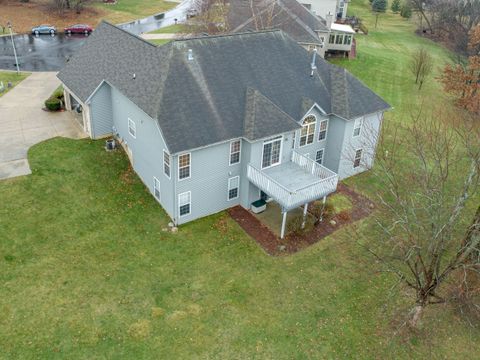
(172, 29)
(382, 63)
(127, 10)
(159, 42)
(86, 270)
(6, 76)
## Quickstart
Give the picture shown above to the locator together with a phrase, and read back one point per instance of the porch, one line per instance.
(294, 183)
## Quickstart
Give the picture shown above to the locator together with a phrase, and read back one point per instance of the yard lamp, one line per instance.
(14, 50)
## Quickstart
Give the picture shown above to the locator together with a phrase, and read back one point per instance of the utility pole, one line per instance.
(14, 50)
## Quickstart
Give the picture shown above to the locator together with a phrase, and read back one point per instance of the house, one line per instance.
(308, 29)
(214, 122)
(322, 8)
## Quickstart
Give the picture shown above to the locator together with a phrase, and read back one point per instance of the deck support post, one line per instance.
(323, 207)
(284, 220)
(305, 209)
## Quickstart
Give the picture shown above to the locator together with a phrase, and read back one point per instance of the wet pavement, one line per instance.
(49, 53)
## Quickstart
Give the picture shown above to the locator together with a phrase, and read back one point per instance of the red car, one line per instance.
(78, 29)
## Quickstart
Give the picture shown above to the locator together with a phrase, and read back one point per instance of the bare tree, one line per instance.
(212, 16)
(427, 179)
(421, 65)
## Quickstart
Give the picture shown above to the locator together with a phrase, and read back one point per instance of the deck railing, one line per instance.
(291, 198)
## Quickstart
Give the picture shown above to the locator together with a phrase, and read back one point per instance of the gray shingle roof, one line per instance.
(207, 100)
(287, 15)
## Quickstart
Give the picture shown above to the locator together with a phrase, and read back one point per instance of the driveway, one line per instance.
(23, 123)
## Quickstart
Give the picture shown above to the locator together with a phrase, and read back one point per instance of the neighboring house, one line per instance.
(322, 8)
(309, 30)
(214, 122)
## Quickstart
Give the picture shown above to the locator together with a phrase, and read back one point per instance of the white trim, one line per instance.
(355, 158)
(361, 120)
(189, 165)
(323, 156)
(229, 188)
(320, 129)
(307, 125)
(189, 203)
(165, 152)
(155, 182)
(134, 127)
(239, 152)
(274, 139)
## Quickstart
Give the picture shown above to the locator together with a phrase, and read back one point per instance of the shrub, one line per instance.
(53, 104)
(317, 207)
(294, 225)
(363, 28)
(58, 94)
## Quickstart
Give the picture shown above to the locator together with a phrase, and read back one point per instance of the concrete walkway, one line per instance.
(23, 123)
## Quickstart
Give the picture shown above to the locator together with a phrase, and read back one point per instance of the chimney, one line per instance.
(190, 55)
(329, 19)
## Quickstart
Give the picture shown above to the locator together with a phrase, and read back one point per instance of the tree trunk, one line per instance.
(417, 314)
(473, 230)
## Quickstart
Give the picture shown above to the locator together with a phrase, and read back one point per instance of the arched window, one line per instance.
(308, 130)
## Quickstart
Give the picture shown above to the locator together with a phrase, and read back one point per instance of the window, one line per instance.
(184, 203)
(156, 188)
(233, 185)
(331, 39)
(347, 40)
(339, 39)
(357, 127)
(132, 129)
(166, 163)
(271, 152)
(308, 130)
(183, 166)
(319, 156)
(293, 139)
(235, 147)
(322, 134)
(358, 158)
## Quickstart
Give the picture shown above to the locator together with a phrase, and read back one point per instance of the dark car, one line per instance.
(78, 29)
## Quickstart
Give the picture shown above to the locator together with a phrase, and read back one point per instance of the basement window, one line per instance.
(132, 129)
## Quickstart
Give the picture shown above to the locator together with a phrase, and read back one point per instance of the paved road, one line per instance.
(24, 123)
(49, 53)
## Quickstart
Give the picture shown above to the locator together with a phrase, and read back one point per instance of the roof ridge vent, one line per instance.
(190, 55)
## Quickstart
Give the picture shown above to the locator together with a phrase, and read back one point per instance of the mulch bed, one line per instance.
(273, 245)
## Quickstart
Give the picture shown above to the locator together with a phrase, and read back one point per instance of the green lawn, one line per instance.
(159, 42)
(172, 29)
(127, 10)
(86, 270)
(6, 76)
(382, 63)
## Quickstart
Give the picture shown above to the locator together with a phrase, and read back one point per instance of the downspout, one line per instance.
(175, 197)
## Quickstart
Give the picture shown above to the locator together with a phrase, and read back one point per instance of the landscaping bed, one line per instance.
(295, 241)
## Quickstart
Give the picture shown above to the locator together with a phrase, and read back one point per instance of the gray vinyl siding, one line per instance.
(367, 141)
(334, 144)
(147, 148)
(101, 112)
(208, 182)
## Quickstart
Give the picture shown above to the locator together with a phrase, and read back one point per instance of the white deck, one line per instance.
(291, 176)
(296, 182)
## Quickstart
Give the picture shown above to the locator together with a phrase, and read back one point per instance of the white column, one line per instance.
(323, 207)
(284, 220)
(305, 209)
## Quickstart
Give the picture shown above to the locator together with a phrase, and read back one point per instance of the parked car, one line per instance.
(79, 29)
(44, 29)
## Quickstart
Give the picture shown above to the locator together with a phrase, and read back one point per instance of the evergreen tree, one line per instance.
(379, 6)
(406, 11)
(396, 6)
